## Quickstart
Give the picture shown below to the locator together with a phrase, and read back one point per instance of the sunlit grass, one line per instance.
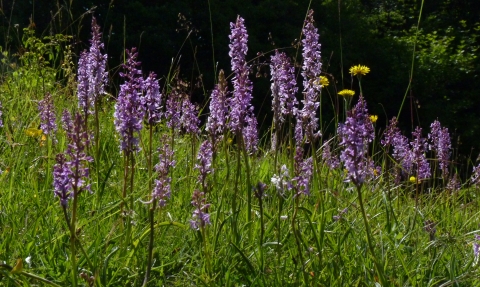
(420, 235)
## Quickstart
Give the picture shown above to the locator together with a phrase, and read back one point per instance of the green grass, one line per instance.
(233, 251)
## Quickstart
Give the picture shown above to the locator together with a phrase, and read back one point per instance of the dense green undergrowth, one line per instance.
(409, 232)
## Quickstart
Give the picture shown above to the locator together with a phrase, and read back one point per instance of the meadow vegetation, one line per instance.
(137, 185)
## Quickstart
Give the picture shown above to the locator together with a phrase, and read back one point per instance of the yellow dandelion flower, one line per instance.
(359, 70)
(373, 118)
(323, 81)
(413, 179)
(346, 92)
(33, 132)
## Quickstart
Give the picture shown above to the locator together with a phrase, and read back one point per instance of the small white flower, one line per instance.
(28, 260)
(276, 180)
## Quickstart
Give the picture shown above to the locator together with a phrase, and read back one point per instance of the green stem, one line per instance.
(360, 84)
(262, 232)
(97, 131)
(47, 143)
(36, 277)
(417, 183)
(297, 241)
(125, 178)
(150, 244)
(97, 151)
(413, 60)
(369, 239)
(85, 254)
(249, 186)
(279, 229)
(213, 46)
(276, 129)
(340, 40)
(72, 238)
(207, 252)
(291, 148)
(227, 155)
(234, 200)
(149, 158)
(130, 208)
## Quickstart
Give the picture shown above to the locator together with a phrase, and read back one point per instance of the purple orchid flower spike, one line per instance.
(242, 119)
(355, 135)
(47, 116)
(92, 75)
(129, 108)
(311, 70)
(441, 145)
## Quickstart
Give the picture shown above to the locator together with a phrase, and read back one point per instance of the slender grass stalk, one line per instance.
(277, 127)
(192, 162)
(124, 188)
(320, 117)
(124, 206)
(259, 194)
(152, 208)
(125, 182)
(33, 276)
(213, 46)
(206, 249)
(149, 158)
(130, 196)
(172, 139)
(236, 195)
(279, 237)
(215, 165)
(413, 60)
(151, 242)
(379, 268)
(290, 149)
(48, 142)
(249, 185)
(298, 241)
(340, 39)
(434, 178)
(73, 236)
(97, 150)
(72, 244)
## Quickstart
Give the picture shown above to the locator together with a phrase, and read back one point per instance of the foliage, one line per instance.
(312, 221)
(372, 32)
